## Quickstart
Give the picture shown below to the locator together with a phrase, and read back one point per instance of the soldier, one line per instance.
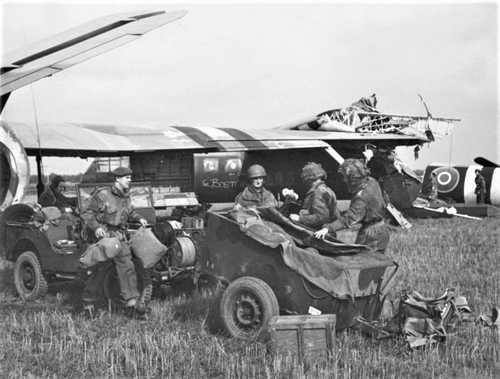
(382, 164)
(367, 207)
(107, 215)
(53, 197)
(480, 190)
(320, 203)
(433, 194)
(430, 187)
(255, 195)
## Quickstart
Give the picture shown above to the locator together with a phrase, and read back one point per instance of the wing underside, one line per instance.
(71, 139)
(54, 54)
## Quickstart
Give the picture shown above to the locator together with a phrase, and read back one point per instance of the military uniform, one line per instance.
(433, 195)
(369, 209)
(480, 190)
(111, 209)
(319, 206)
(52, 197)
(381, 166)
(252, 197)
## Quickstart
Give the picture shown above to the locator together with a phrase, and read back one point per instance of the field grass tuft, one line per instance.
(47, 338)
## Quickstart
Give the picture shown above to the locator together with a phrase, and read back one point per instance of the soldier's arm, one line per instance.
(269, 200)
(237, 199)
(319, 211)
(93, 214)
(355, 214)
(133, 216)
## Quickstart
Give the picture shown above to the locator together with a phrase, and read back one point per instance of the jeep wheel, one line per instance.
(28, 278)
(246, 307)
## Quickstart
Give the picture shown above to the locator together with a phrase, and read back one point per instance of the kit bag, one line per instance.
(101, 251)
(147, 247)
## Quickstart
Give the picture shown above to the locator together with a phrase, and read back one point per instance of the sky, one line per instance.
(260, 65)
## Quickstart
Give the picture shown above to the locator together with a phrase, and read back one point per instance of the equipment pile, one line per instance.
(425, 321)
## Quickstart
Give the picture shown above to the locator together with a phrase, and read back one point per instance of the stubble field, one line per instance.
(47, 339)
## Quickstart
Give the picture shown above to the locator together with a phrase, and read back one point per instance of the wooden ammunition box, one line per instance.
(307, 337)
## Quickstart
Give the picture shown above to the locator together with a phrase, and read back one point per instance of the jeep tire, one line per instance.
(28, 278)
(246, 306)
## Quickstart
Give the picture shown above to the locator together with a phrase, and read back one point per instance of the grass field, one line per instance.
(46, 339)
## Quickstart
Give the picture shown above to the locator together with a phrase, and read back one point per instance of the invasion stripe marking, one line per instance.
(224, 138)
(246, 139)
(495, 187)
(199, 136)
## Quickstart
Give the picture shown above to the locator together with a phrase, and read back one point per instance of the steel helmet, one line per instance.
(354, 169)
(312, 171)
(256, 171)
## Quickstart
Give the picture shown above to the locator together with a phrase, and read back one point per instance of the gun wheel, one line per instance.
(246, 307)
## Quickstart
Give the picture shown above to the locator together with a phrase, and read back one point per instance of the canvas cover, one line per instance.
(343, 270)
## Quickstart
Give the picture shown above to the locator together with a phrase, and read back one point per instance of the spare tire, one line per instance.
(14, 168)
(246, 306)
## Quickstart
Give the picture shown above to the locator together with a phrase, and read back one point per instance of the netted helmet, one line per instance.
(256, 171)
(312, 171)
(354, 169)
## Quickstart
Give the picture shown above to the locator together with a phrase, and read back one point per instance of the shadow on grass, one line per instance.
(192, 308)
(6, 278)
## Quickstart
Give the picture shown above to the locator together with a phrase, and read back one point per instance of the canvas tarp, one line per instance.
(342, 275)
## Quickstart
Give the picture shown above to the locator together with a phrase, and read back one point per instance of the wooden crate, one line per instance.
(307, 337)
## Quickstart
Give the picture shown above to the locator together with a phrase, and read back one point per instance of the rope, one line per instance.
(450, 150)
(35, 113)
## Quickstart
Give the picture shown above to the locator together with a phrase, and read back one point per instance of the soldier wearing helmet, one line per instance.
(320, 203)
(255, 195)
(107, 215)
(367, 207)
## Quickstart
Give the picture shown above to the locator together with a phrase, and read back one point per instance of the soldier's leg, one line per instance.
(90, 291)
(145, 282)
(126, 273)
(382, 237)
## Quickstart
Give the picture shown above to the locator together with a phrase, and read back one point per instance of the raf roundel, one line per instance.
(447, 178)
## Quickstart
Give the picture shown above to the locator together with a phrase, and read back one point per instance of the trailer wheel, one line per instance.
(28, 278)
(246, 307)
